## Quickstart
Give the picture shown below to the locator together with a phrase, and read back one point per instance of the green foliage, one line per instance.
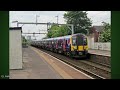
(79, 19)
(24, 41)
(56, 31)
(105, 35)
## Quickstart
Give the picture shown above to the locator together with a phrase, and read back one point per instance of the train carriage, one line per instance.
(71, 45)
(79, 45)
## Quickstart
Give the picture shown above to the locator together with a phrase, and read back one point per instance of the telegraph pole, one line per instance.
(57, 18)
(72, 26)
(36, 18)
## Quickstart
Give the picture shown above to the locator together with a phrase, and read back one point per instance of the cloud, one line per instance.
(98, 17)
(49, 16)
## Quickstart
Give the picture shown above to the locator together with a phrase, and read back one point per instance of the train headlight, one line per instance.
(75, 47)
(80, 53)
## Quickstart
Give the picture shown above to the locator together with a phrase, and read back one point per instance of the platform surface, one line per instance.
(39, 65)
(100, 52)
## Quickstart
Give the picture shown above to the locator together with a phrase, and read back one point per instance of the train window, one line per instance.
(85, 41)
(66, 42)
(52, 42)
(59, 42)
(79, 40)
(74, 41)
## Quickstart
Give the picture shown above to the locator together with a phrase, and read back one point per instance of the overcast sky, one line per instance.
(49, 16)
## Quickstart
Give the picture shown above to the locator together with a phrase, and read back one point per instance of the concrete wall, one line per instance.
(102, 46)
(98, 45)
(15, 49)
(90, 41)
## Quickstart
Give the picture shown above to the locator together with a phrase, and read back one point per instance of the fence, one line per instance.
(98, 45)
(102, 46)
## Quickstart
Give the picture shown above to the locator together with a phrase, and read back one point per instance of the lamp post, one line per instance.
(57, 18)
(36, 18)
(22, 25)
(15, 22)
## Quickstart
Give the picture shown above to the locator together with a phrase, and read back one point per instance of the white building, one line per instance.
(15, 48)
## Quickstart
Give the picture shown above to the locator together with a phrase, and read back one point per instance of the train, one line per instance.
(75, 45)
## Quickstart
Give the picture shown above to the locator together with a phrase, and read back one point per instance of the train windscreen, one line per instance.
(79, 40)
(85, 41)
(74, 40)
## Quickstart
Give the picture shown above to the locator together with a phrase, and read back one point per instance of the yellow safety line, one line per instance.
(58, 69)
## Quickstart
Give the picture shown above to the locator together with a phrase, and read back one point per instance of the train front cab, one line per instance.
(79, 45)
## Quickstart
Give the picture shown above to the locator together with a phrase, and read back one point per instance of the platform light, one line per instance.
(15, 22)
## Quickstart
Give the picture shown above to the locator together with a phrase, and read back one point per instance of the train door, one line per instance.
(64, 45)
(74, 43)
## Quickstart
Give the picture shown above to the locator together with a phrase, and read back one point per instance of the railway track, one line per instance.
(106, 65)
(101, 60)
(95, 70)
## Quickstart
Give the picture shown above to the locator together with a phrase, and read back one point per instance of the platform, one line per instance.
(39, 65)
(100, 52)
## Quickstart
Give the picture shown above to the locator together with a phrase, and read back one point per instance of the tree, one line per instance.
(79, 19)
(105, 35)
(64, 30)
(53, 31)
(56, 31)
(23, 39)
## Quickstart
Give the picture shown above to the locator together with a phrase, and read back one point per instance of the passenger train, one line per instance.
(75, 45)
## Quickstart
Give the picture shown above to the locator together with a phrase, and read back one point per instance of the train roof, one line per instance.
(78, 34)
(63, 37)
(56, 38)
